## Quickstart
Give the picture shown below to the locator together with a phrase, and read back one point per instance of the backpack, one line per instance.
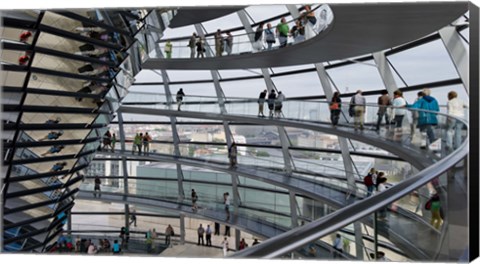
(428, 204)
(367, 180)
(351, 109)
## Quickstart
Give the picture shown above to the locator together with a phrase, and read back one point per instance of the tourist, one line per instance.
(52, 135)
(180, 95)
(168, 49)
(271, 102)
(229, 43)
(97, 183)
(200, 232)
(383, 103)
(279, 104)
(261, 103)
(269, 36)
(218, 43)
(358, 102)
(335, 108)
(225, 246)
(146, 143)
(427, 119)
(399, 110)
(192, 43)
(200, 47)
(455, 107)
(257, 38)
(282, 30)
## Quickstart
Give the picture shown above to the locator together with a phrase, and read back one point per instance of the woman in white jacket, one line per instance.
(455, 107)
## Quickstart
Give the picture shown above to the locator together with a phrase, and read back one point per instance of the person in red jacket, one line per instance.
(24, 36)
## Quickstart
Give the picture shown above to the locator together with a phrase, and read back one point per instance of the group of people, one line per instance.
(141, 142)
(374, 181)
(274, 102)
(109, 141)
(304, 28)
(83, 245)
(394, 110)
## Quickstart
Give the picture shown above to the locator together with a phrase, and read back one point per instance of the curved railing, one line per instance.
(403, 139)
(301, 236)
(242, 43)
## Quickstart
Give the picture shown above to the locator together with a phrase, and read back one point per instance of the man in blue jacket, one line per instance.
(427, 119)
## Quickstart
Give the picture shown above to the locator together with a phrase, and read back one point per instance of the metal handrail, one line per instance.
(295, 238)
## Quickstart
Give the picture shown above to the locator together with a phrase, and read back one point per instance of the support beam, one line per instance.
(347, 159)
(293, 10)
(385, 72)
(287, 159)
(121, 132)
(458, 53)
(237, 238)
(182, 229)
(69, 222)
(293, 209)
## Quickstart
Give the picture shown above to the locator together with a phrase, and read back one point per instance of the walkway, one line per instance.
(357, 29)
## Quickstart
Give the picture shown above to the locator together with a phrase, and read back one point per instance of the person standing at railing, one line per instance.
(257, 38)
(192, 43)
(194, 200)
(269, 36)
(309, 20)
(114, 141)
(335, 108)
(137, 143)
(180, 95)
(413, 125)
(282, 30)
(399, 110)
(271, 102)
(146, 143)
(133, 218)
(337, 246)
(97, 183)
(200, 47)
(383, 103)
(298, 32)
(232, 155)
(168, 234)
(229, 43)
(427, 119)
(279, 104)
(358, 102)
(261, 103)
(381, 187)
(369, 183)
(436, 218)
(455, 107)
(168, 49)
(218, 43)
(226, 200)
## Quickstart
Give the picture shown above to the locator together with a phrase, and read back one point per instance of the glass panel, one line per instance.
(426, 63)
(256, 135)
(303, 84)
(261, 12)
(358, 76)
(246, 88)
